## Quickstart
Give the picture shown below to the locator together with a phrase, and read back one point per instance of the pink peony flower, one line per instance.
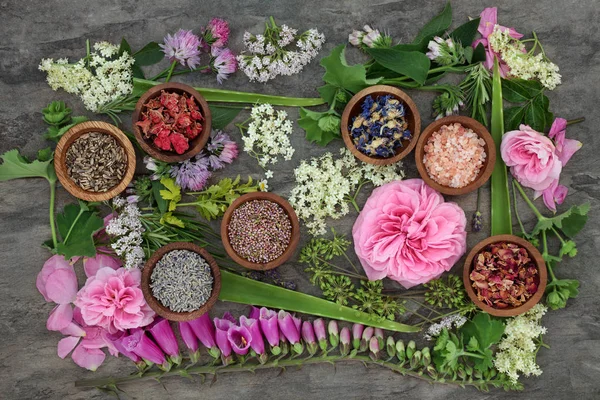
(408, 233)
(113, 300)
(183, 46)
(223, 62)
(531, 157)
(489, 20)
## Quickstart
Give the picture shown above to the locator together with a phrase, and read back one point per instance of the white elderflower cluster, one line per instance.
(518, 348)
(99, 79)
(126, 231)
(268, 136)
(521, 63)
(268, 57)
(454, 320)
(325, 186)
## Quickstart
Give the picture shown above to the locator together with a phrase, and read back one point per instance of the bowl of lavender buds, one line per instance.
(381, 125)
(260, 231)
(181, 281)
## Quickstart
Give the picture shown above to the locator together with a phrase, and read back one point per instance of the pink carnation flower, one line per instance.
(408, 233)
(183, 47)
(113, 300)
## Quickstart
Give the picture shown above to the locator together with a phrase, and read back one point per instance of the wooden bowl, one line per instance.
(534, 254)
(65, 142)
(157, 306)
(484, 173)
(196, 144)
(353, 108)
(294, 240)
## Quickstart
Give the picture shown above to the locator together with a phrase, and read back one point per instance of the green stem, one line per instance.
(52, 201)
(170, 71)
(575, 121)
(529, 202)
(517, 209)
(343, 271)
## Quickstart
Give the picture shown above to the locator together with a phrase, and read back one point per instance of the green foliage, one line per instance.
(477, 89)
(343, 76)
(16, 166)
(485, 329)
(58, 116)
(534, 105)
(413, 64)
(171, 193)
(150, 54)
(448, 292)
(77, 225)
(222, 116)
(436, 27)
(465, 34)
(320, 127)
(212, 202)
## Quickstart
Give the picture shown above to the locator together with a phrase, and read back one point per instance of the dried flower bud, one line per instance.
(415, 360)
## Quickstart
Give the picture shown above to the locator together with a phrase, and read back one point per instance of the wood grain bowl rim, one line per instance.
(294, 240)
(165, 312)
(69, 137)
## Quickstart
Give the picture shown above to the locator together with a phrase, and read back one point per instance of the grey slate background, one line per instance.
(30, 30)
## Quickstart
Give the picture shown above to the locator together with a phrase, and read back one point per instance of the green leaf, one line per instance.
(465, 33)
(437, 26)
(172, 192)
(478, 54)
(542, 225)
(413, 64)
(77, 225)
(328, 92)
(519, 90)
(473, 344)
(161, 203)
(485, 363)
(573, 220)
(54, 133)
(222, 116)
(329, 123)
(310, 122)
(169, 218)
(513, 117)
(468, 54)
(45, 154)
(150, 54)
(15, 166)
(485, 329)
(238, 289)
(56, 113)
(339, 74)
(124, 47)
(535, 115)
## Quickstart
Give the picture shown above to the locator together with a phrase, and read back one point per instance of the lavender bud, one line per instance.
(390, 347)
(345, 341)
(334, 333)
(366, 337)
(357, 331)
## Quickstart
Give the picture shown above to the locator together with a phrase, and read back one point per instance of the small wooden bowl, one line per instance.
(484, 173)
(534, 254)
(294, 240)
(65, 142)
(353, 108)
(157, 306)
(196, 144)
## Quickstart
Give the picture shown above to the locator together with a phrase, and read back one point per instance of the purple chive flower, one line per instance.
(137, 342)
(269, 325)
(222, 328)
(240, 339)
(190, 340)
(357, 331)
(183, 46)
(223, 148)
(164, 336)
(191, 174)
(223, 62)
(374, 348)
(308, 335)
(216, 34)
(345, 341)
(319, 326)
(366, 337)
(205, 331)
(334, 335)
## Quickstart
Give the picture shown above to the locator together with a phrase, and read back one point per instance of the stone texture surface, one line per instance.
(31, 30)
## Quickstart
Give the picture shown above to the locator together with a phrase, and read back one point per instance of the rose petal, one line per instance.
(60, 317)
(66, 345)
(61, 286)
(88, 358)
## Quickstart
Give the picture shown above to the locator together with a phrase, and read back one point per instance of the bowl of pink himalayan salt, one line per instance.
(455, 155)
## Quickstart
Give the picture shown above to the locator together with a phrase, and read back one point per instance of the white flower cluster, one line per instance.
(126, 231)
(521, 63)
(268, 57)
(99, 79)
(268, 136)
(454, 320)
(325, 185)
(517, 350)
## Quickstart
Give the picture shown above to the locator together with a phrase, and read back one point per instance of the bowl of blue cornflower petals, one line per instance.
(381, 125)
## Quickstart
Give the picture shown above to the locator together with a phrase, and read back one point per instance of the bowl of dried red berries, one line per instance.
(505, 275)
(172, 122)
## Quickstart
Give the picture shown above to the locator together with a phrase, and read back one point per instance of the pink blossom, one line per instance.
(223, 62)
(408, 233)
(113, 300)
(91, 265)
(216, 34)
(489, 20)
(565, 148)
(553, 194)
(183, 46)
(57, 281)
(531, 157)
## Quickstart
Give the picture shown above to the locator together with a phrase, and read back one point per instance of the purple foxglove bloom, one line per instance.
(254, 313)
(319, 326)
(288, 326)
(334, 333)
(308, 335)
(164, 336)
(345, 341)
(357, 331)
(182, 47)
(240, 339)
(374, 348)
(366, 337)
(257, 344)
(137, 342)
(190, 340)
(129, 354)
(269, 326)
(204, 330)
(222, 327)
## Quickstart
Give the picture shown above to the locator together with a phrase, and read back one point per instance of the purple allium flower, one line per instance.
(183, 47)
(164, 336)
(223, 62)
(191, 174)
(240, 339)
(216, 34)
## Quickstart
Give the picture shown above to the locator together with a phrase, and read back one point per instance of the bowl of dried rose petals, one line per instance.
(172, 122)
(505, 275)
(455, 155)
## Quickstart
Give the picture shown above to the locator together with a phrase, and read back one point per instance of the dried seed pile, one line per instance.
(96, 162)
(259, 231)
(454, 155)
(182, 281)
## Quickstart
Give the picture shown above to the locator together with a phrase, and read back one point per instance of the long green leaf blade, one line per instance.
(237, 289)
(501, 220)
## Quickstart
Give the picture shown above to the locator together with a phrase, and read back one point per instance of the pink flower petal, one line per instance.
(51, 265)
(61, 286)
(489, 18)
(87, 358)
(92, 265)
(60, 317)
(73, 329)
(66, 345)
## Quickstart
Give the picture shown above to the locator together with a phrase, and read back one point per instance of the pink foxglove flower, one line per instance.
(253, 326)
(320, 333)
(345, 340)
(164, 336)
(190, 340)
(308, 335)
(222, 326)
(183, 47)
(288, 326)
(223, 62)
(216, 34)
(357, 331)
(137, 342)
(113, 300)
(240, 339)
(269, 326)
(406, 232)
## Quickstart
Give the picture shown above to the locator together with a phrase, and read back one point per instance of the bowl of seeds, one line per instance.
(260, 231)
(172, 122)
(455, 155)
(94, 161)
(181, 281)
(380, 125)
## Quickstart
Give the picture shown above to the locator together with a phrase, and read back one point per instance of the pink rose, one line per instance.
(531, 157)
(408, 233)
(113, 300)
